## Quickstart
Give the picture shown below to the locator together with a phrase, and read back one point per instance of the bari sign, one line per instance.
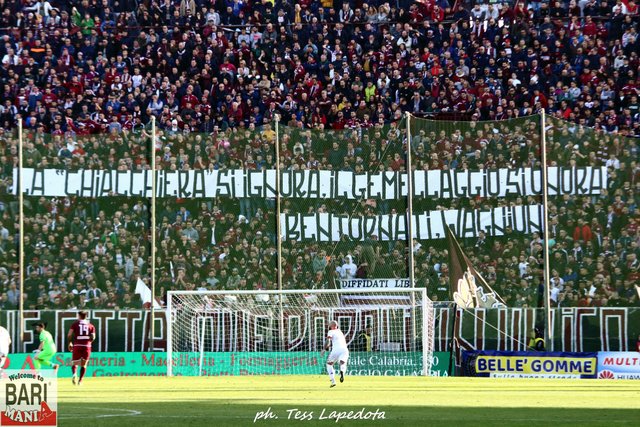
(28, 398)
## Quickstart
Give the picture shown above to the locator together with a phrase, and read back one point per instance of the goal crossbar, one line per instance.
(422, 291)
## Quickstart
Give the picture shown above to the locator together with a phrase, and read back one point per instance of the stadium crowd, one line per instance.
(85, 78)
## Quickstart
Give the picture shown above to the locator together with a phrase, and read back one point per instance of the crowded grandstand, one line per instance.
(86, 77)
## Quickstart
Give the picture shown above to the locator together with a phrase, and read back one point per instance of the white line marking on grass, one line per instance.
(126, 413)
(130, 413)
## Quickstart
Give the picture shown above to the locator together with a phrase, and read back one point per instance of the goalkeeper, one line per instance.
(47, 348)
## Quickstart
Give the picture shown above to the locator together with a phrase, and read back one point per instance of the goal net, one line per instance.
(388, 332)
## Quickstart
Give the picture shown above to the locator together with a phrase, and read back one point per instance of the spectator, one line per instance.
(13, 295)
(85, 82)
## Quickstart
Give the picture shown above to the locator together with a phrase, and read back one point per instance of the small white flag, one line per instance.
(145, 293)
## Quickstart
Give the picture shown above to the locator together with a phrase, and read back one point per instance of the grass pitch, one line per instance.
(406, 401)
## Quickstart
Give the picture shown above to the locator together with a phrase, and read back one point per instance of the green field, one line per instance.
(406, 401)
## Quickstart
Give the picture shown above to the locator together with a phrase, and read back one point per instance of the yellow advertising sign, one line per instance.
(489, 364)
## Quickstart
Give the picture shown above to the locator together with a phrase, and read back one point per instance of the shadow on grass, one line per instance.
(220, 413)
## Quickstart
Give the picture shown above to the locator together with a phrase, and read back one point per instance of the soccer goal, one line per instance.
(388, 331)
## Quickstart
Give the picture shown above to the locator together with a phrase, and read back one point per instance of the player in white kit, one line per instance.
(339, 352)
(5, 342)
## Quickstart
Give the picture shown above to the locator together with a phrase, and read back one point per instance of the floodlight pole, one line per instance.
(548, 333)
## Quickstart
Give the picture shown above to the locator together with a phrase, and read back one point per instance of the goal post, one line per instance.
(210, 333)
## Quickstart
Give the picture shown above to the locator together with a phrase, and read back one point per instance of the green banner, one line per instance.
(440, 366)
(396, 363)
(102, 364)
(108, 364)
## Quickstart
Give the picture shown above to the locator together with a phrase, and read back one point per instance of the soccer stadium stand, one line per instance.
(85, 78)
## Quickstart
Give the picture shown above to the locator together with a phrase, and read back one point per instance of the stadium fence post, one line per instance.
(169, 335)
(452, 344)
(278, 233)
(548, 334)
(20, 327)
(153, 234)
(426, 319)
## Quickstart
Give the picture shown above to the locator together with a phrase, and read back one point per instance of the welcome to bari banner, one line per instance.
(312, 184)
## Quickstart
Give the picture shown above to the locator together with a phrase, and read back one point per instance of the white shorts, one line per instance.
(341, 355)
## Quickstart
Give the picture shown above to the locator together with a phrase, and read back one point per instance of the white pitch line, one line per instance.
(131, 413)
(127, 413)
